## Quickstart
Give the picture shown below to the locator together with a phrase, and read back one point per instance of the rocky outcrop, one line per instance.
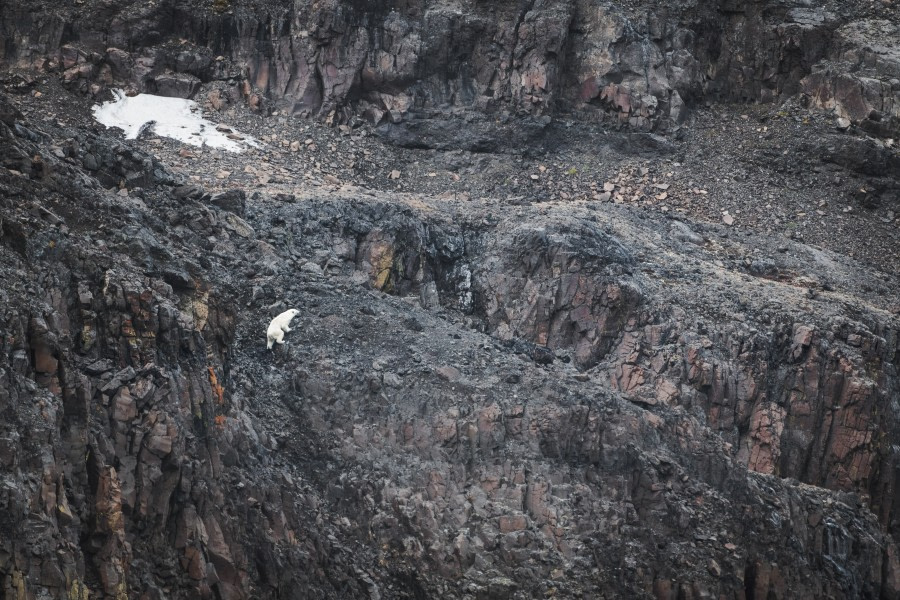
(561, 289)
(795, 394)
(478, 406)
(119, 436)
(859, 80)
(638, 67)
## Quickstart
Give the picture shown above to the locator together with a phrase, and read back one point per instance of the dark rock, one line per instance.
(194, 192)
(174, 85)
(234, 200)
(474, 135)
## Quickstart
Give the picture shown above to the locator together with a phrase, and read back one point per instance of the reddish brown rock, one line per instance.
(513, 523)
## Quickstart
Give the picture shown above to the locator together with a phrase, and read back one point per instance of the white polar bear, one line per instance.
(279, 326)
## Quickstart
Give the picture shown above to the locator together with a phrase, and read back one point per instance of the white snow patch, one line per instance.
(175, 118)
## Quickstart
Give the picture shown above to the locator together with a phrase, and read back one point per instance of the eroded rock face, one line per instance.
(860, 80)
(637, 67)
(798, 402)
(795, 396)
(406, 442)
(476, 402)
(561, 289)
(118, 436)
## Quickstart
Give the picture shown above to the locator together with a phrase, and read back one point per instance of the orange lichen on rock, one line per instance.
(218, 390)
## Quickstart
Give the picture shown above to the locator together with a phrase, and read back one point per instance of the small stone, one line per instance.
(238, 225)
(448, 373)
(313, 268)
(395, 174)
(392, 380)
(232, 200)
(295, 146)
(842, 123)
(414, 324)
(714, 568)
(332, 180)
(609, 186)
(682, 232)
(728, 219)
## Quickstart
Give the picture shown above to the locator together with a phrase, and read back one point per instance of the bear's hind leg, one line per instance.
(275, 338)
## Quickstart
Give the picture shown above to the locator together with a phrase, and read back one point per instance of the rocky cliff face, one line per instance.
(634, 64)
(511, 377)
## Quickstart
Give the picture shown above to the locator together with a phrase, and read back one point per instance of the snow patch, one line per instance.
(175, 118)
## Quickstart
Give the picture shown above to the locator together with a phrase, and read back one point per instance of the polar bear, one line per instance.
(279, 326)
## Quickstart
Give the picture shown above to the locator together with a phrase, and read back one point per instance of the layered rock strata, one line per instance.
(638, 67)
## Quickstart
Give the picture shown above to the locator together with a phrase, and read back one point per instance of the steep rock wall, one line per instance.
(798, 387)
(636, 67)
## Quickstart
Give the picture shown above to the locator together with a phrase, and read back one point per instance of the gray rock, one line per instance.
(682, 232)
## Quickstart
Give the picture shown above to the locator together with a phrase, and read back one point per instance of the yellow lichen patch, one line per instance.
(200, 308)
(18, 584)
(382, 254)
(64, 511)
(78, 591)
(128, 329)
(88, 336)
